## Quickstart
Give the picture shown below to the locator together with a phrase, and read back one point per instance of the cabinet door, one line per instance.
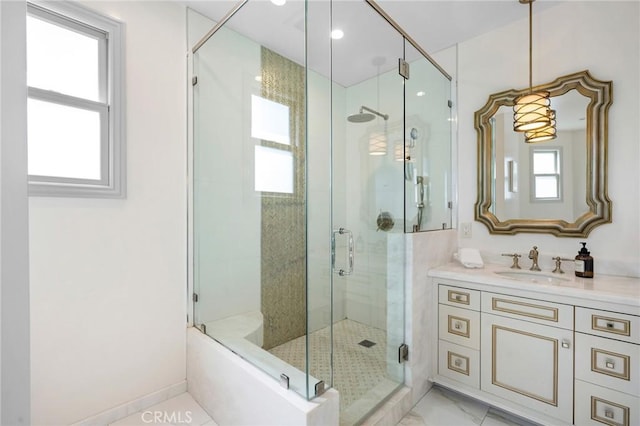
(528, 363)
(460, 326)
(608, 362)
(597, 405)
(459, 363)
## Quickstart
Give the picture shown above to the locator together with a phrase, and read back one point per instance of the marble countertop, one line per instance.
(603, 288)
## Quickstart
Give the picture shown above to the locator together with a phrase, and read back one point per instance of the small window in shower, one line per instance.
(269, 120)
(274, 170)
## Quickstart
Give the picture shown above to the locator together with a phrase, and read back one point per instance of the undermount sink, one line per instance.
(532, 277)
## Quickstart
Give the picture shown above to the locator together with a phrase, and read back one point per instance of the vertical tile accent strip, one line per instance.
(283, 239)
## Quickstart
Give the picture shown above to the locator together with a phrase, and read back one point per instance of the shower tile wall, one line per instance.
(374, 185)
(283, 242)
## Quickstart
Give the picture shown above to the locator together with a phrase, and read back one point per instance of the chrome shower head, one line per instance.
(363, 117)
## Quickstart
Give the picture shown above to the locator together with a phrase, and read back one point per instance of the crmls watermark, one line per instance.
(173, 417)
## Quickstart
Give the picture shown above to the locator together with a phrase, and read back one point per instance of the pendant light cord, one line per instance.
(530, 45)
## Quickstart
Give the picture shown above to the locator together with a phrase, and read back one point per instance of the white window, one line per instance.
(269, 120)
(75, 106)
(274, 163)
(274, 170)
(546, 178)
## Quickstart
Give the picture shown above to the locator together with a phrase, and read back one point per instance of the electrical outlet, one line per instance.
(466, 229)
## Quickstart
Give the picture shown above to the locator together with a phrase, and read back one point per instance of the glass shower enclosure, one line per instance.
(312, 155)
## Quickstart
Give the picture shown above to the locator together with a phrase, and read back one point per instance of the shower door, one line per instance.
(365, 201)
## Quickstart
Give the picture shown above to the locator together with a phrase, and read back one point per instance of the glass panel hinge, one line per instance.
(403, 353)
(403, 68)
(284, 381)
(194, 297)
(194, 80)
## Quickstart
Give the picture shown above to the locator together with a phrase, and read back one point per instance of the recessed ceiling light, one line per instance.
(337, 34)
(279, 2)
(421, 93)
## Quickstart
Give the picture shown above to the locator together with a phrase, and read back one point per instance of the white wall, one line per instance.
(14, 264)
(108, 277)
(603, 37)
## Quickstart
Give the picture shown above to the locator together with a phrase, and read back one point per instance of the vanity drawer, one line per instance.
(608, 362)
(460, 326)
(458, 296)
(608, 324)
(459, 363)
(538, 311)
(596, 405)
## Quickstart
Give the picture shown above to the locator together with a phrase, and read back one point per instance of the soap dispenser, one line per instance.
(584, 263)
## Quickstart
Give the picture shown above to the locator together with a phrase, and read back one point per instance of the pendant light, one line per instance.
(543, 134)
(531, 110)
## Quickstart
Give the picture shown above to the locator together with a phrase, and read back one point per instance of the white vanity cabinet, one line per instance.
(553, 355)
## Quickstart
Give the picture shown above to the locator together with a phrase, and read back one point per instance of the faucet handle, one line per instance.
(557, 269)
(515, 257)
(558, 261)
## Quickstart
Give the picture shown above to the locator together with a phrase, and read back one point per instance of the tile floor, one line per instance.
(180, 410)
(360, 365)
(356, 368)
(439, 407)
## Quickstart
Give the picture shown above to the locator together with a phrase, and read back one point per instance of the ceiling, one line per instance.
(370, 45)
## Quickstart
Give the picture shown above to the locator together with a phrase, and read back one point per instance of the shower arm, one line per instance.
(372, 111)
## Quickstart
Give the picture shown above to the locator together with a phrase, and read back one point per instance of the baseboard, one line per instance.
(124, 410)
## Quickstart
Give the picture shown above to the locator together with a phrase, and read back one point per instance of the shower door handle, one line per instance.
(350, 251)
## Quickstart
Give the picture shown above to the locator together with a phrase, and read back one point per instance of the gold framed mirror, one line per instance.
(556, 187)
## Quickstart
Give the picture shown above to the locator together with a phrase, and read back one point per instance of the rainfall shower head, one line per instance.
(363, 117)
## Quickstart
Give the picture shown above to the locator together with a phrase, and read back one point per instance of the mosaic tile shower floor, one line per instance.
(358, 370)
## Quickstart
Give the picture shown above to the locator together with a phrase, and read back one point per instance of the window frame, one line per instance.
(110, 106)
(557, 175)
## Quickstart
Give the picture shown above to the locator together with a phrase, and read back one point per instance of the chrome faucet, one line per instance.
(533, 255)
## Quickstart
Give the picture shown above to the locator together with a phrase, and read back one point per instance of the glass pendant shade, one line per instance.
(399, 151)
(543, 134)
(531, 111)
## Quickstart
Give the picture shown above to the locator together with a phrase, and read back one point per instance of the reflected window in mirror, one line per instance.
(545, 176)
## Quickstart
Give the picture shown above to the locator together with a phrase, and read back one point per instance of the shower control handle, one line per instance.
(351, 251)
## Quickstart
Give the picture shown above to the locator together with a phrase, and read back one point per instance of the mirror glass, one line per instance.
(542, 180)
(558, 186)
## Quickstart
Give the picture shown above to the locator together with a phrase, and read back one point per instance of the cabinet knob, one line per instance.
(608, 413)
(459, 297)
(457, 362)
(610, 364)
(457, 325)
(610, 325)
(566, 344)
